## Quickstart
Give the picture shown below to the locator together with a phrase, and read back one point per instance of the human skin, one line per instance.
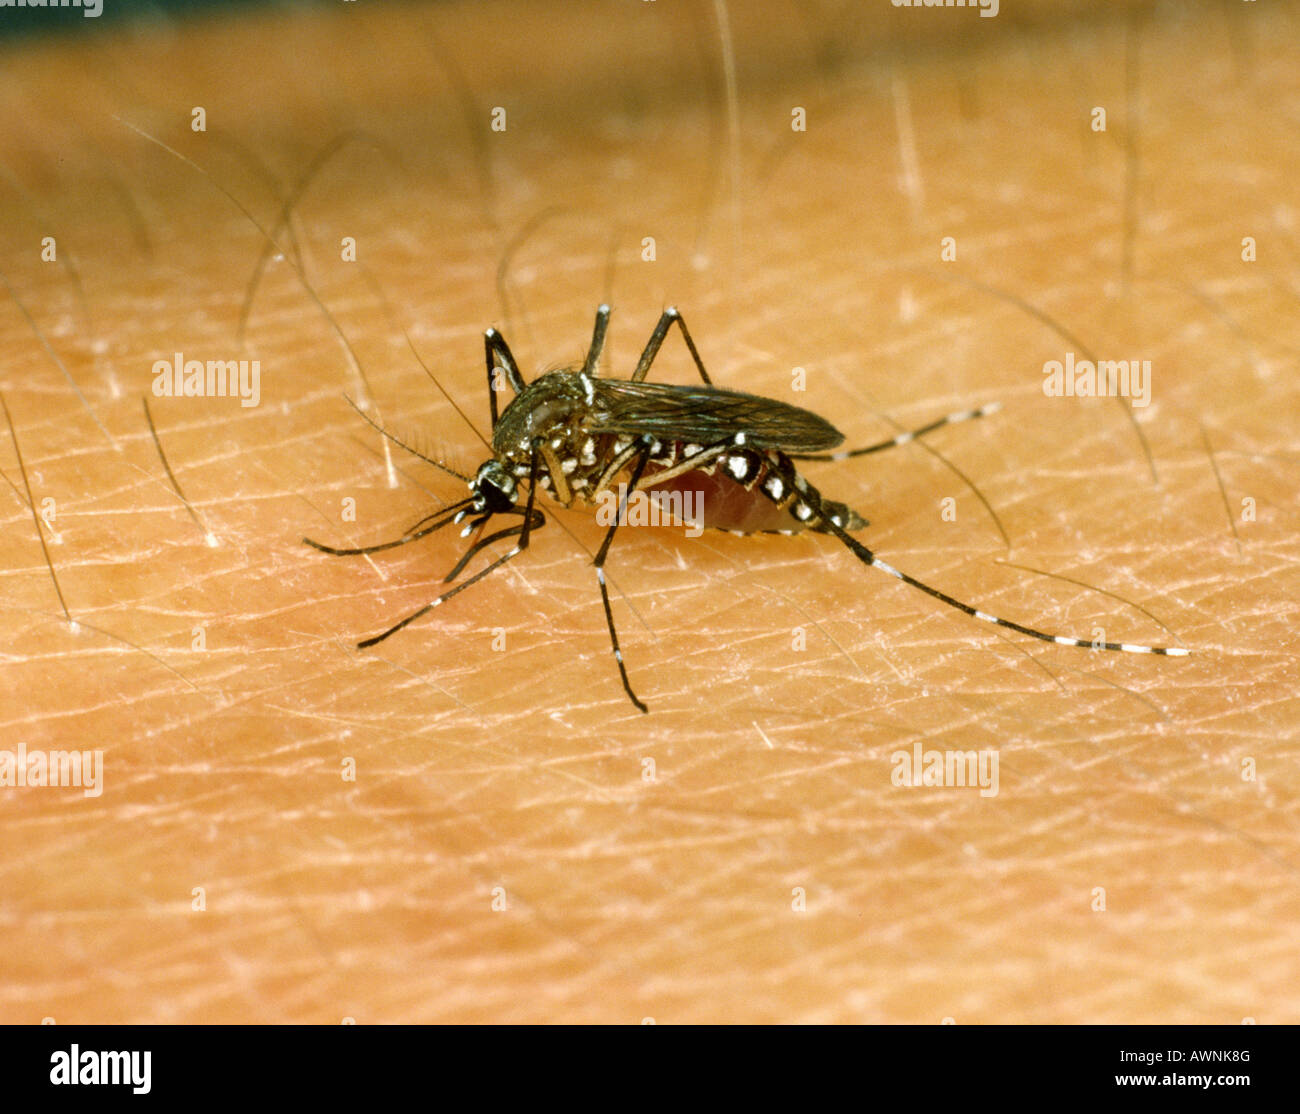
(470, 821)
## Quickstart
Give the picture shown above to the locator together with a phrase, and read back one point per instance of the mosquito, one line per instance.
(574, 434)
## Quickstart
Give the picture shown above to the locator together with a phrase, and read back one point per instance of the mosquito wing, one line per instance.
(706, 415)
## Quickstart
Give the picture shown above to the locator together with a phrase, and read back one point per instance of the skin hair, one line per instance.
(741, 853)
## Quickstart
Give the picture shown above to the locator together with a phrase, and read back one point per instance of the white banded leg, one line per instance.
(533, 519)
(666, 321)
(600, 574)
(867, 557)
(904, 438)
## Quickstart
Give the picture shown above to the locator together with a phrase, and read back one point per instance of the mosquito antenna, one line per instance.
(392, 317)
(403, 445)
(533, 519)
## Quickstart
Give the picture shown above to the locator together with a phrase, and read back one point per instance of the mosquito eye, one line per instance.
(496, 487)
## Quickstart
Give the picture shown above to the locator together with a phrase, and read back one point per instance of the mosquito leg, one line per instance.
(904, 438)
(597, 340)
(500, 356)
(560, 490)
(533, 519)
(689, 464)
(484, 542)
(666, 320)
(600, 575)
(378, 428)
(865, 555)
(615, 466)
(436, 522)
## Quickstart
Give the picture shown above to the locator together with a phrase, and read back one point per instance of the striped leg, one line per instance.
(533, 519)
(904, 438)
(635, 478)
(597, 340)
(500, 357)
(434, 522)
(868, 558)
(666, 321)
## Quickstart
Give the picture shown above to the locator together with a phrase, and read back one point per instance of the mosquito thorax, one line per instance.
(555, 401)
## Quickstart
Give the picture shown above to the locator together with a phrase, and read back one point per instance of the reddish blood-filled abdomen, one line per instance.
(722, 504)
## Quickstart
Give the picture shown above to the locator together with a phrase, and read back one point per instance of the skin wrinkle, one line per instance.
(524, 768)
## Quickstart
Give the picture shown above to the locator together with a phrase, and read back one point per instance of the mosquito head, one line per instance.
(494, 487)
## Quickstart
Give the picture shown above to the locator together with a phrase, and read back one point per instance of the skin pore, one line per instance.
(470, 821)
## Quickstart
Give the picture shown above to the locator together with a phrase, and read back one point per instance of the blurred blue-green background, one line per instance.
(37, 18)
